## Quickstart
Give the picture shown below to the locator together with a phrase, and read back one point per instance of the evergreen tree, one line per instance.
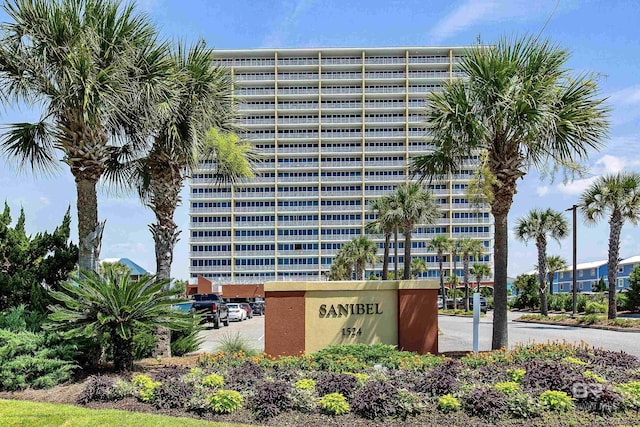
(633, 296)
(29, 266)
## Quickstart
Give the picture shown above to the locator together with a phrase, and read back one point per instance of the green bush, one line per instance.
(507, 387)
(522, 405)
(225, 401)
(34, 360)
(213, 381)
(448, 403)
(121, 389)
(305, 384)
(144, 342)
(557, 401)
(231, 343)
(630, 391)
(187, 339)
(334, 404)
(595, 308)
(623, 303)
(590, 319)
(407, 404)
(303, 400)
(145, 387)
(516, 375)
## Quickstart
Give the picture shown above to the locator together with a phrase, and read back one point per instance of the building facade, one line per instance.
(590, 273)
(337, 128)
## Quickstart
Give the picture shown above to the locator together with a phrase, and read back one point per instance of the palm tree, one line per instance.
(479, 270)
(539, 225)
(418, 266)
(383, 224)
(360, 252)
(455, 252)
(618, 196)
(115, 304)
(341, 268)
(519, 108)
(413, 206)
(555, 263)
(441, 244)
(88, 64)
(469, 248)
(453, 282)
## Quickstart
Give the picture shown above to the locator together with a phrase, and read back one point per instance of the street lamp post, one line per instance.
(574, 289)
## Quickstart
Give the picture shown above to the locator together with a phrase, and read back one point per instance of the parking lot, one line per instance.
(252, 330)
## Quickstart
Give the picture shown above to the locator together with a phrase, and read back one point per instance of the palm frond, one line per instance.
(32, 145)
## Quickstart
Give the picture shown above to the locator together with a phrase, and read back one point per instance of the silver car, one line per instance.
(237, 312)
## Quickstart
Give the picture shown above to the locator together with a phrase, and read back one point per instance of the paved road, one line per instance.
(252, 330)
(456, 334)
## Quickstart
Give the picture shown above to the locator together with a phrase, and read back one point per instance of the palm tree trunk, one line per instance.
(395, 255)
(407, 254)
(542, 275)
(465, 263)
(385, 262)
(551, 282)
(500, 336)
(442, 289)
(454, 285)
(166, 182)
(89, 230)
(478, 279)
(615, 224)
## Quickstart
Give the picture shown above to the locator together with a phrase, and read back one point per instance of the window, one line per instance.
(580, 273)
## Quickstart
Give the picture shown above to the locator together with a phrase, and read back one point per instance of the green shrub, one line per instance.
(231, 343)
(407, 404)
(334, 404)
(574, 361)
(594, 377)
(448, 403)
(34, 360)
(516, 374)
(145, 387)
(507, 387)
(522, 405)
(225, 401)
(213, 381)
(623, 302)
(590, 319)
(305, 384)
(557, 401)
(121, 389)
(303, 399)
(144, 342)
(595, 308)
(187, 339)
(631, 393)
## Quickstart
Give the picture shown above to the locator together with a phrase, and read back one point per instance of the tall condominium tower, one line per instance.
(337, 129)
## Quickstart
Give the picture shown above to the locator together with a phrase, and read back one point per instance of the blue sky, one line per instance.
(602, 36)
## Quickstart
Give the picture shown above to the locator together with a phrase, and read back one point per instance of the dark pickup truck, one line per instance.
(213, 308)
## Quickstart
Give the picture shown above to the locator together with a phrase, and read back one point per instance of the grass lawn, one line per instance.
(21, 413)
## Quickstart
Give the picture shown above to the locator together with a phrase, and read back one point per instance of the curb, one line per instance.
(603, 328)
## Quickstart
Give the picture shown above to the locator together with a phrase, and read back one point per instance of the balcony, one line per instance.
(297, 61)
(211, 210)
(253, 77)
(255, 209)
(290, 194)
(210, 225)
(298, 150)
(238, 239)
(297, 76)
(209, 254)
(332, 179)
(338, 223)
(302, 179)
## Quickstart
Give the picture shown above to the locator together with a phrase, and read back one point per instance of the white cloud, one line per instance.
(471, 13)
(45, 201)
(626, 104)
(542, 190)
(627, 96)
(607, 164)
(283, 29)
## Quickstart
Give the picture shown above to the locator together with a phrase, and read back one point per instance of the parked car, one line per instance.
(483, 304)
(258, 308)
(440, 303)
(236, 312)
(213, 308)
(248, 309)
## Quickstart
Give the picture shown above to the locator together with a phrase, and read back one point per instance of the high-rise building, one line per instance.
(337, 128)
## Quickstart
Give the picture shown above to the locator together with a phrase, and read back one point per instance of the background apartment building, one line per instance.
(337, 128)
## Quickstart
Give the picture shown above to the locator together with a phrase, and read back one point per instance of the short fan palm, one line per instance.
(114, 304)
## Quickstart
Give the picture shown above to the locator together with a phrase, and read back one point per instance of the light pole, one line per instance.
(574, 288)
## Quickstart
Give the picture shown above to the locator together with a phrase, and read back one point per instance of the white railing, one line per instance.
(210, 224)
(298, 76)
(335, 90)
(215, 210)
(296, 209)
(297, 91)
(254, 238)
(384, 90)
(196, 254)
(341, 222)
(288, 194)
(287, 179)
(384, 60)
(251, 77)
(296, 61)
(341, 61)
(286, 239)
(298, 106)
(255, 209)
